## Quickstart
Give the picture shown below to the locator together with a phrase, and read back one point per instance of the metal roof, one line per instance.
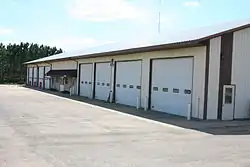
(179, 39)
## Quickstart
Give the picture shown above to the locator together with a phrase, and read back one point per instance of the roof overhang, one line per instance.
(61, 73)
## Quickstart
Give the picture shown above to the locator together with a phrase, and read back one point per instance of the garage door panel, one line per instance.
(86, 80)
(172, 85)
(102, 81)
(128, 82)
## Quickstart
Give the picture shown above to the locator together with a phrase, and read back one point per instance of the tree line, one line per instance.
(12, 57)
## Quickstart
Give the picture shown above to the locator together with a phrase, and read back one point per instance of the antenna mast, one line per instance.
(159, 17)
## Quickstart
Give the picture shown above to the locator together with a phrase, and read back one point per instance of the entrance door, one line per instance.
(228, 102)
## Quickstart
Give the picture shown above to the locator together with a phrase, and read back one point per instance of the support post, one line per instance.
(146, 103)
(137, 103)
(189, 112)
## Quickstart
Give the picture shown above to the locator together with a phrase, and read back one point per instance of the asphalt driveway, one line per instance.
(40, 130)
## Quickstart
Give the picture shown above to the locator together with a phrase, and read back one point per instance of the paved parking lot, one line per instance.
(40, 130)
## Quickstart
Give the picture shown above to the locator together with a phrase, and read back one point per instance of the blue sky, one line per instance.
(77, 24)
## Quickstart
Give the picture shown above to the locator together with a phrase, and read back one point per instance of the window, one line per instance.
(108, 84)
(103, 84)
(228, 95)
(138, 87)
(86, 82)
(118, 85)
(89, 82)
(131, 86)
(98, 83)
(124, 86)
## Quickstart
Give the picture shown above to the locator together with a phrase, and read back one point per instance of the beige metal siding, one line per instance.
(214, 76)
(199, 54)
(60, 65)
(240, 72)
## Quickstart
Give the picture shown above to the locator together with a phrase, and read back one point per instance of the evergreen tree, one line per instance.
(13, 56)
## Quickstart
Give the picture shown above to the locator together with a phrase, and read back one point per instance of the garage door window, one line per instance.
(187, 91)
(228, 95)
(155, 88)
(118, 85)
(131, 86)
(124, 86)
(165, 89)
(176, 90)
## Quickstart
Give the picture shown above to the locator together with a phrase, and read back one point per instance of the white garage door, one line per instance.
(30, 75)
(47, 78)
(35, 77)
(41, 76)
(102, 81)
(86, 80)
(128, 82)
(172, 85)
(27, 76)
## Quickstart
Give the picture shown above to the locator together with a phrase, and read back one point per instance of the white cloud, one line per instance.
(103, 10)
(72, 43)
(4, 31)
(192, 3)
